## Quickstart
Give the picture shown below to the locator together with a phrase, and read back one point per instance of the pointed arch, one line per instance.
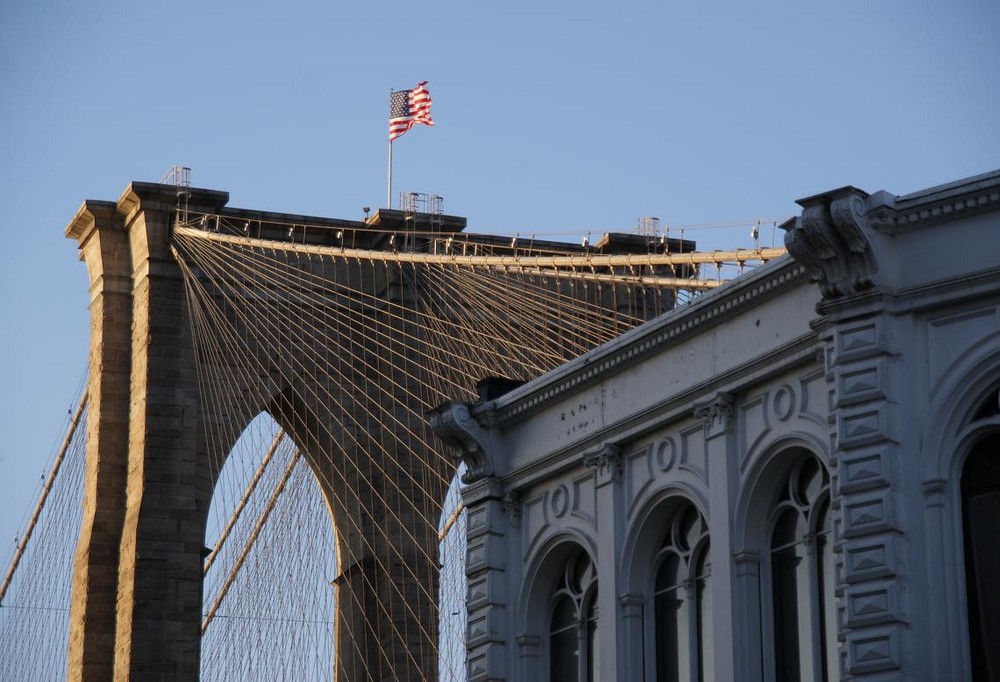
(271, 556)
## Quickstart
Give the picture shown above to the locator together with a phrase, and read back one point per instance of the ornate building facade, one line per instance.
(777, 481)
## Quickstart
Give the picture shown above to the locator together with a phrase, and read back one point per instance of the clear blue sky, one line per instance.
(558, 118)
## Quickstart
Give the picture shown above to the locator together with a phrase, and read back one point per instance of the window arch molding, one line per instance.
(640, 546)
(754, 500)
(640, 563)
(542, 574)
(965, 385)
(951, 434)
(751, 545)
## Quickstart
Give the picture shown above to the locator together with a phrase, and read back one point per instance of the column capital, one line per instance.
(513, 505)
(92, 215)
(100, 236)
(607, 460)
(716, 413)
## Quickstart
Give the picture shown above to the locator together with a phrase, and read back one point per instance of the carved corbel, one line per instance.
(512, 504)
(831, 239)
(850, 220)
(607, 460)
(454, 424)
(716, 413)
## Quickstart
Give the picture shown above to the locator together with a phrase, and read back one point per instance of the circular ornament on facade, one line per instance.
(783, 403)
(560, 501)
(666, 454)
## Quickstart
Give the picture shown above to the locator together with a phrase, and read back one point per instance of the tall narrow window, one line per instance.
(802, 579)
(981, 521)
(564, 640)
(593, 648)
(573, 626)
(682, 600)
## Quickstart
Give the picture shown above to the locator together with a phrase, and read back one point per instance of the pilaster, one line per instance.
(136, 603)
(631, 653)
(835, 239)
(104, 248)
(606, 462)
(871, 535)
(159, 591)
(747, 615)
(492, 512)
(717, 415)
(486, 571)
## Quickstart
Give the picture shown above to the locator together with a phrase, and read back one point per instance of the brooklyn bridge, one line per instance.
(249, 487)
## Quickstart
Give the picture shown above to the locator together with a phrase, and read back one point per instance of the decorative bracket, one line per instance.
(831, 240)
(716, 413)
(454, 424)
(511, 502)
(607, 460)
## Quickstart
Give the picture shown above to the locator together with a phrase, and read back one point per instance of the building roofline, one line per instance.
(705, 312)
(896, 214)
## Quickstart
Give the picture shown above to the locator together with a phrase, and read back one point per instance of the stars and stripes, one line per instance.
(408, 107)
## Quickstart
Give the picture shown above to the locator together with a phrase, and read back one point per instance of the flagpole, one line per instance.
(388, 187)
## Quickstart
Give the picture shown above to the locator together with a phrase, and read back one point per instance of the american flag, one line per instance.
(407, 107)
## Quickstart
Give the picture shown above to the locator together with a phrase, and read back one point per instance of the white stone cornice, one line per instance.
(893, 215)
(90, 216)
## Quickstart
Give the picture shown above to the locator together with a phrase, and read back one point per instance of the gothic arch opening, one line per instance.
(270, 557)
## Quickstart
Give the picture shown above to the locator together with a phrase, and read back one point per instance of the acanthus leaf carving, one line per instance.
(607, 460)
(716, 413)
(831, 238)
(454, 423)
(513, 505)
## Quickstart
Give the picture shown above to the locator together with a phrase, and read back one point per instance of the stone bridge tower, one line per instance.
(136, 600)
(153, 454)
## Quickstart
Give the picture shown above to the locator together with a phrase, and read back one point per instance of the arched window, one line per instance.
(804, 629)
(981, 525)
(573, 625)
(682, 600)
